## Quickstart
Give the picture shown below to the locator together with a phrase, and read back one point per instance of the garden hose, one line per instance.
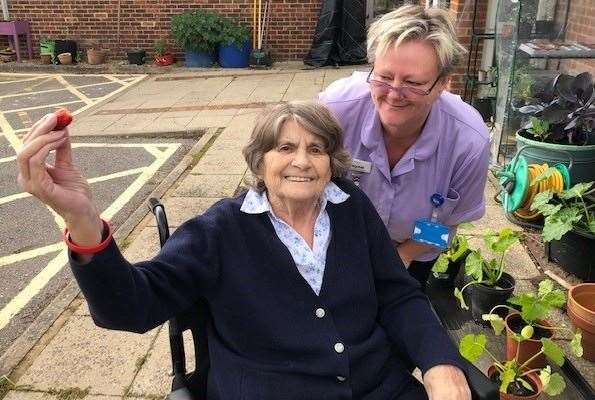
(554, 183)
(518, 194)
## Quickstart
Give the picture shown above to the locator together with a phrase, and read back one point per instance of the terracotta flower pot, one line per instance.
(533, 380)
(581, 311)
(65, 58)
(95, 56)
(528, 348)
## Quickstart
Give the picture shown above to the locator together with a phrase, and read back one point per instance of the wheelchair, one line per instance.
(193, 385)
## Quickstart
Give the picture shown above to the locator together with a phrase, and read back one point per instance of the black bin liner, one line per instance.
(66, 46)
(340, 36)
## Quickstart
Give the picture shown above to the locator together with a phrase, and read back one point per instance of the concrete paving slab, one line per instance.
(208, 186)
(153, 378)
(220, 162)
(301, 92)
(518, 262)
(93, 124)
(198, 122)
(165, 124)
(493, 220)
(82, 355)
(180, 210)
(145, 245)
(29, 395)
(132, 123)
(223, 143)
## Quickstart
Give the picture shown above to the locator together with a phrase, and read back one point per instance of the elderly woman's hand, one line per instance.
(61, 186)
(446, 382)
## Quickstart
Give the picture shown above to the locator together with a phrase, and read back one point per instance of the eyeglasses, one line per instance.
(403, 90)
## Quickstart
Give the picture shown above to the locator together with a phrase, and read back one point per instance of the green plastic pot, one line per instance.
(583, 157)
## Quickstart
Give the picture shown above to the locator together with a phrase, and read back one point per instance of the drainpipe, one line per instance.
(5, 10)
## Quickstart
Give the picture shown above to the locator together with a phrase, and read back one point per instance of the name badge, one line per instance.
(430, 232)
(361, 166)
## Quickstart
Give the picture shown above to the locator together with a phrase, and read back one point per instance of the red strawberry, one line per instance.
(64, 118)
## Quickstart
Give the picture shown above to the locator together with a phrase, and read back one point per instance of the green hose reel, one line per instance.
(514, 179)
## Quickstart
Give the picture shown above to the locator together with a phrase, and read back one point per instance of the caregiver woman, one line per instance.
(411, 139)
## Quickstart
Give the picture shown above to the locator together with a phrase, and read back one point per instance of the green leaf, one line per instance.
(545, 374)
(555, 386)
(501, 241)
(543, 176)
(459, 295)
(558, 224)
(576, 344)
(576, 191)
(592, 225)
(526, 384)
(496, 321)
(507, 377)
(460, 249)
(549, 209)
(472, 346)
(557, 299)
(474, 265)
(552, 351)
(541, 199)
(441, 264)
(545, 287)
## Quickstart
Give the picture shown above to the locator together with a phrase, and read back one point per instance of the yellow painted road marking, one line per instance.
(7, 159)
(40, 281)
(26, 255)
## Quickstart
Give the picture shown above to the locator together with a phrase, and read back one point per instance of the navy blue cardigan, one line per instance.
(267, 340)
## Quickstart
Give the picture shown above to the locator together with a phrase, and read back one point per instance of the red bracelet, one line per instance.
(107, 234)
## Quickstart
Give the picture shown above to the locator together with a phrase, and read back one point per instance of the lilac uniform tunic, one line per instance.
(450, 157)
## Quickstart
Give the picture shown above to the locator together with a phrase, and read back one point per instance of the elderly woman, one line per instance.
(306, 293)
(419, 152)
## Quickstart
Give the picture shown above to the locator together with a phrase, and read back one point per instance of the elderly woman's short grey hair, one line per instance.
(412, 22)
(314, 117)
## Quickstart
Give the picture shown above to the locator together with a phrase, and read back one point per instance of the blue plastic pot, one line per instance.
(198, 59)
(234, 56)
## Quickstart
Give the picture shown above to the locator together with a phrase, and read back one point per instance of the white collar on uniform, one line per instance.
(257, 203)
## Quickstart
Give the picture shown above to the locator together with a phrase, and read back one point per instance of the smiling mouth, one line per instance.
(298, 179)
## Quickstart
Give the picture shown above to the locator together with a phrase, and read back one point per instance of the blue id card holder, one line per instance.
(430, 231)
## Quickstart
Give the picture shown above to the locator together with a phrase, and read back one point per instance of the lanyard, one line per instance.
(437, 200)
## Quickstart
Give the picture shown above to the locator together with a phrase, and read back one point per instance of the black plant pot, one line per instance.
(483, 298)
(136, 57)
(575, 253)
(544, 27)
(485, 106)
(525, 29)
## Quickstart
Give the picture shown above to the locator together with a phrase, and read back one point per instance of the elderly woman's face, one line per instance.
(413, 64)
(298, 168)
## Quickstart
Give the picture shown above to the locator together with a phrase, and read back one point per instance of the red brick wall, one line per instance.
(463, 15)
(581, 28)
(141, 22)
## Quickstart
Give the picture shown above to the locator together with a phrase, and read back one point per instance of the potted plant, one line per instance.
(516, 381)
(46, 50)
(566, 104)
(162, 53)
(488, 284)
(65, 58)
(581, 311)
(136, 56)
(569, 227)
(235, 46)
(198, 33)
(95, 55)
(532, 324)
(447, 265)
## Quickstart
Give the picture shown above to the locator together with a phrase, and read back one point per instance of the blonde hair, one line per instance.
(412, 22)
(314, 117)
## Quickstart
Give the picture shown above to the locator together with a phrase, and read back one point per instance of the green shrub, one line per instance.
(233, 32)
(198, 30)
